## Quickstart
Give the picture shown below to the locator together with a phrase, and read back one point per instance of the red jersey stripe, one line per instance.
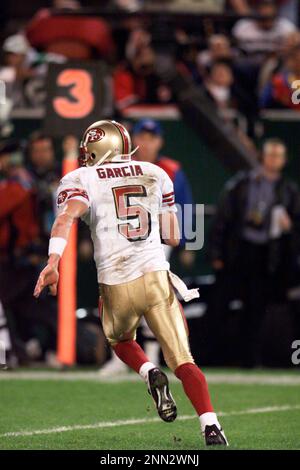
(168, 194)
(124, 138)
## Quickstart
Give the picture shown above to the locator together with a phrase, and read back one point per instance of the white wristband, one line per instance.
(57, 245)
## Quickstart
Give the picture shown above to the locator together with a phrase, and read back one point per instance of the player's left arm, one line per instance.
(60, 232)
(168, 222)
(169, 228)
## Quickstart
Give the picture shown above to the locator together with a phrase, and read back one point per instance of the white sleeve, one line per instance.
(71, 187)
(168, 196)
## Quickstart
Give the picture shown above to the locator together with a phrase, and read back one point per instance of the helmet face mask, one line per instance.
(104, 141)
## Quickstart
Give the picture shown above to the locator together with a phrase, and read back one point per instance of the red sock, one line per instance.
(195, 387)
(131, 354)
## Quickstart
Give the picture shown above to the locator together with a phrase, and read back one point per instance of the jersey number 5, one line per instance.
(127, 211)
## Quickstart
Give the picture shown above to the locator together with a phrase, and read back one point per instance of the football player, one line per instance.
(147, 136)
(130, 208)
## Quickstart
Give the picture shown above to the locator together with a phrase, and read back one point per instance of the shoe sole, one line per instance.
(164, 402)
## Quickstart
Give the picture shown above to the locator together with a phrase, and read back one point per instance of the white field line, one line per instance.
(128, 422)
(212, 378)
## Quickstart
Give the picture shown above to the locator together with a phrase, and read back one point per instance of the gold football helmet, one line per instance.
(104, 141)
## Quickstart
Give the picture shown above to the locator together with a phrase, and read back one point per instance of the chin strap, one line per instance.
(125, 157)
(105, 156)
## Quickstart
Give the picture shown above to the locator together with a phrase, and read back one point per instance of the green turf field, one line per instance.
(68, 411)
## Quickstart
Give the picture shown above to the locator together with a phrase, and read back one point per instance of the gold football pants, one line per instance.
(153, 297)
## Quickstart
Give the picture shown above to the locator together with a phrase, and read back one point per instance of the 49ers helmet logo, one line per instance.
(62, 197)
(94, 135)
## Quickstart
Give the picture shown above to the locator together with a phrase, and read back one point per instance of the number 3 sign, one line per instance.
(76, 96)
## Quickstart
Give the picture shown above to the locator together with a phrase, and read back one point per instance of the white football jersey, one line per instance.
(124, 201)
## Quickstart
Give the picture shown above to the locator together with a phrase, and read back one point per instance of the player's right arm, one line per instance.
(73, 203)
(60, 233)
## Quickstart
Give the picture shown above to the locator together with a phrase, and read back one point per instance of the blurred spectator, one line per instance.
(136, 81)
(23, 71)
(73, 36)
(287, 8)
(224, 90)
(254, 243)
(16, 70)
(276, 62)
(46, 173)
(263, 35)
(219, 48)
(18, 226)
(138, 39)
(219, 83)
(278, 92)
(19, 258)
